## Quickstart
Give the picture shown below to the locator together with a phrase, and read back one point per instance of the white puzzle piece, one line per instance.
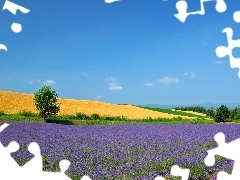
(182, 7)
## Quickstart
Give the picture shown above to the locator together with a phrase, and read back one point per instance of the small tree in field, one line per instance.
(46, 102)
(210, 113)
(222, 113)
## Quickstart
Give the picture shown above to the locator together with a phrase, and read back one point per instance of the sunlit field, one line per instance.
(13, 102)
(118, 142)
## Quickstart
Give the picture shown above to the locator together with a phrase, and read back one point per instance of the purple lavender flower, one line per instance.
(127, 151)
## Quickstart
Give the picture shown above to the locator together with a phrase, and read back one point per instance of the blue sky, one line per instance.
(134, 52)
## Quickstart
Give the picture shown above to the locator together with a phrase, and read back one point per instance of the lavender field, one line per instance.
(127, 151)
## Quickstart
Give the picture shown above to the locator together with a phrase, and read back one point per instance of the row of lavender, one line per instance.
(129, 151)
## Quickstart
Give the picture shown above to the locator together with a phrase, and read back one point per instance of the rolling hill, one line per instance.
(14, 102)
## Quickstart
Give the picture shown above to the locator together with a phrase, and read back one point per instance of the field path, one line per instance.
(14, 102)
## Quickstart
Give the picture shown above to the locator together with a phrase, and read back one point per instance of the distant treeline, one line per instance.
(194, 109)
(229, 114)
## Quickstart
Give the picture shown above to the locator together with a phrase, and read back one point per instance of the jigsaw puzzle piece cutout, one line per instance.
(228, 150)
(12, 7)
(5, 125)
(222, 51)
(33, 169)
(223, 149)
(9, 165)
(35, 165)
(236, 16)
(182, 7)
(224, 176)
(85, 177)
(3, 47)
(177, 171)
(221, 6)
(64, 165)
(159, 178)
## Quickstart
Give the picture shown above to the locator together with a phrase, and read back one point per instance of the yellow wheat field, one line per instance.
(14, 102)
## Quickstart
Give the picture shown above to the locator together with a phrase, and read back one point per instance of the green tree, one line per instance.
(237, 116)
(222, 114)
(233, 113)
(46, 102)
(210, 113)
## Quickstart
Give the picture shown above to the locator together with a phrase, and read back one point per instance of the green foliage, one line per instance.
(46, 102)
(237, 116)
(2, 113)
(169, 111)
(95, 116)
(108, 118)
(211, 113)
(17, 117)
(194, 109)
(65, 117)
(82, 116)
(222, 114)
(233, 113)
(149, 119)
(27, 114)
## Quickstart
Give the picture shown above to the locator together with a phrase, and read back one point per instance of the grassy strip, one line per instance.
(107, 122)
(15, 117)
(169, 111)
(96, 119)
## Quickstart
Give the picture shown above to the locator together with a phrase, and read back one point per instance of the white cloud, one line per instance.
(218, 62)
(168, 80)
(112, 84)
(148, 84)
(34, 81)
(190, 74)
(45, 82)
(49, 82)
(99, 97)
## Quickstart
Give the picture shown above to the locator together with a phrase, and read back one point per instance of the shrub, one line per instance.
(66, 117)
(46, 102)
(2, 113)
(179, 118)
(27, 114)
(95, 116)
(82, 116)
(149, 118)
(108, 118)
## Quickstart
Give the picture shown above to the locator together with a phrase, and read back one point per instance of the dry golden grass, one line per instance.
(14, 102)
